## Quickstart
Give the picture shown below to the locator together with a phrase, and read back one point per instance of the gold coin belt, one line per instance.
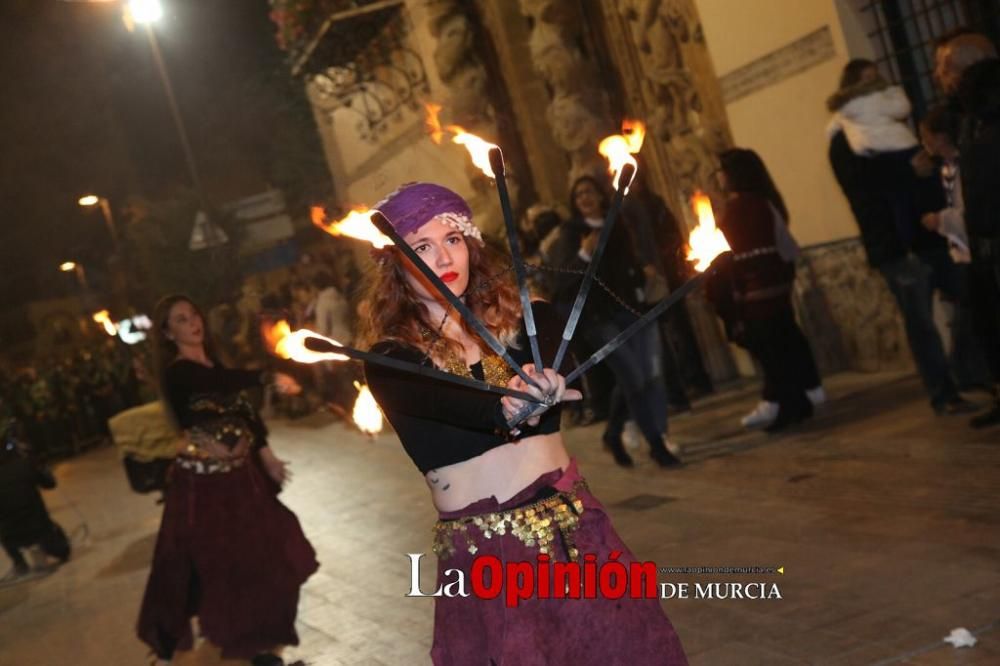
(535, 525)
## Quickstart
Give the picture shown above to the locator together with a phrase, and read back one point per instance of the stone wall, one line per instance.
(847, 312)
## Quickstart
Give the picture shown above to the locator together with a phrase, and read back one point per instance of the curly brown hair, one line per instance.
(393, 311)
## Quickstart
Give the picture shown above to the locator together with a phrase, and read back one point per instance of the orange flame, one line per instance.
(356, 224)
(282, 341)
(479, 148)
(619, 148)
(706, 240)
(104, 318)
(367, 416)
(434, 122)
(634, 132)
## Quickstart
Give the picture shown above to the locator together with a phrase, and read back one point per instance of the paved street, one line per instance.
(883, 516)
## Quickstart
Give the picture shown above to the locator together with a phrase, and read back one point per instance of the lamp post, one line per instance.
(75, 267)
(91, 200)
(148, 12)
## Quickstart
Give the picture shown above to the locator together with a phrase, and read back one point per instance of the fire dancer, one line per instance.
(228, 550)
(482, 474)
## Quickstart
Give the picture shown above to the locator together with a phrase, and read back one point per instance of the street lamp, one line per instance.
(91, 200)
(145, 11)
(74, 267)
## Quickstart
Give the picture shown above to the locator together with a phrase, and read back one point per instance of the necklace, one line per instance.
(495, 371)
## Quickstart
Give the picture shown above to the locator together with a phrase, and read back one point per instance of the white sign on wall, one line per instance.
(778, 65)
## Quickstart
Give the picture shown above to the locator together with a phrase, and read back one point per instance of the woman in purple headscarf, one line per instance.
(506, 498)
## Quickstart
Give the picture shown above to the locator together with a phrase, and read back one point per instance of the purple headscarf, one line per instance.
(415, 204)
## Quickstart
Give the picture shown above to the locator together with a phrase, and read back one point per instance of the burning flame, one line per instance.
(433, 122)
(619, 148)
(706, 240)
(104, 318)
(634, 132)
(366, 414)
(286, 343)
(356, 224)
(479, 148)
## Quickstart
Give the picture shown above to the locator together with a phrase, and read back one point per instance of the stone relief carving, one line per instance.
(578, 112)
(661, 30)
(463, 72)
(458, 63)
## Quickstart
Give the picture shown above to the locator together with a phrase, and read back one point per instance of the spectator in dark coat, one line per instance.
(888, 200)
(24, 520)
(968, 70)
(755, 222)
(640, 390)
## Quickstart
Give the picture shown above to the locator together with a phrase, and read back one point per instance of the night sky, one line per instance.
(85, 111)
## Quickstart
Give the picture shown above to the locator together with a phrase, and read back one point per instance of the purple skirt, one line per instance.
(599, 631)
(231, 553)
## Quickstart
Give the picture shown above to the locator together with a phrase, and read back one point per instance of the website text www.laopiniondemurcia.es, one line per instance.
(489, 578)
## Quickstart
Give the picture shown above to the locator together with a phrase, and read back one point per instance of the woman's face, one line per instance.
(444, 249)
(587, 199)
(184, 325)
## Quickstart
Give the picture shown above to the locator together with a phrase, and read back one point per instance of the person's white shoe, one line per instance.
(817, 396)
(632, 437)
(763, 415)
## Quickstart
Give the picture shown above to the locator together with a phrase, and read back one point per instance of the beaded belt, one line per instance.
(756, 252)
(763, 294)
(209, 465)
(534, 524)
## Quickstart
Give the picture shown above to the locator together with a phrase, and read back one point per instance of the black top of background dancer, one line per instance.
(440, 424)
(213, 399)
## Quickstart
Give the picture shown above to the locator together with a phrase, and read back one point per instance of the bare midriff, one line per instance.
(501, 472)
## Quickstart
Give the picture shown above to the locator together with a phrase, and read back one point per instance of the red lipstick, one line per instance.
(450, 276)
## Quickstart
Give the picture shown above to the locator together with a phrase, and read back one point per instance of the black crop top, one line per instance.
(213, 399)
(441, 424)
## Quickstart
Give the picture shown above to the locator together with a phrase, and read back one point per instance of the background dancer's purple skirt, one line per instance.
(231, 553)
(601, 631)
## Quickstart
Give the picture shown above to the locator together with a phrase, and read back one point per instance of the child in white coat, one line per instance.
(871, 113)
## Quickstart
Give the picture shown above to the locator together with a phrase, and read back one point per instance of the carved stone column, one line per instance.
(667, 77)
(578, 111)
(674, 61)
(458, 64)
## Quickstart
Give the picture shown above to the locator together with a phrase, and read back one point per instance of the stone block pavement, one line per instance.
(883, 516)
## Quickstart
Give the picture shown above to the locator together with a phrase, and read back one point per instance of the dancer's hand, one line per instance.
(286, 384)
(550, 383)
(275, 468)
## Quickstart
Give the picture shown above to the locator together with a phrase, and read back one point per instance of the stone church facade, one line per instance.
(548, 79)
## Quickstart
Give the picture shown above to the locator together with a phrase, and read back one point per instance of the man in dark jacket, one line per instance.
(24, 520)
(901, 256)
(968, 70)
